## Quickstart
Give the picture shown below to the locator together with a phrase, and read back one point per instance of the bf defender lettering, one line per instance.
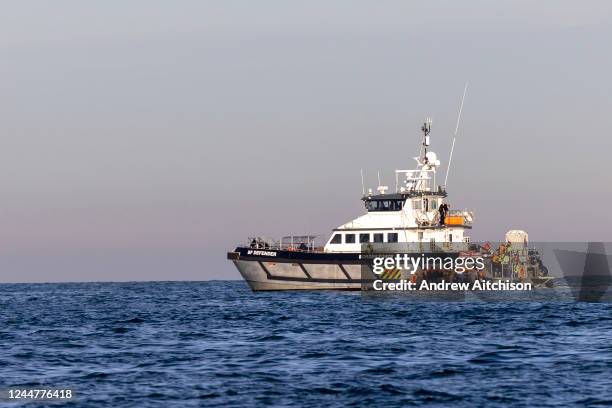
(261, 253)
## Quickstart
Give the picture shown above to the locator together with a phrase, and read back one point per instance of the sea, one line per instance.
(218, 344)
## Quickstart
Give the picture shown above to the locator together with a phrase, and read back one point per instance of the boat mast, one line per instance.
(426, 129)
(420, 179)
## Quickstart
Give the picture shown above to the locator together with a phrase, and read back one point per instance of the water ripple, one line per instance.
(218, 344)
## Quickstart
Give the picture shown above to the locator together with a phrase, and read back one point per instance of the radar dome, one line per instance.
(432, 158)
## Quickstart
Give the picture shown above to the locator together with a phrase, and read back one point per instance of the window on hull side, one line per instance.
(378, 237)
(392, 237)
(337, 239)
(364, 238)
(349, 239)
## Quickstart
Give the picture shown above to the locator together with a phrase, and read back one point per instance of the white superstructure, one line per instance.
(417, 213)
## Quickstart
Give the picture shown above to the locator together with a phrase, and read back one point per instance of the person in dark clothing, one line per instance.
(442, 214)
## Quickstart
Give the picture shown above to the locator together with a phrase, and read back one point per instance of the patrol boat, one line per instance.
(413, 219)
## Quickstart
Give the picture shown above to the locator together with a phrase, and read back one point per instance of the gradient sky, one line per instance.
(143, 139)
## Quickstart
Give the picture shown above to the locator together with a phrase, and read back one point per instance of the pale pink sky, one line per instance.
(143, 140)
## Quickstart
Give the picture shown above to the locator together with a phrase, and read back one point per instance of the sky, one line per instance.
(142, 140)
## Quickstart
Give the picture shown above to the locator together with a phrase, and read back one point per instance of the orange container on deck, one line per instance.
(454, 220)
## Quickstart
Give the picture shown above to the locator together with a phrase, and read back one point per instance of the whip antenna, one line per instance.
(362, 185)
(455, 135)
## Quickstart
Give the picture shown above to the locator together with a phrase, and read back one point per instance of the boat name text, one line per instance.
(256, 252)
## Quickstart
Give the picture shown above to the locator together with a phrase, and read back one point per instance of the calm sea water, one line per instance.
(218, 344)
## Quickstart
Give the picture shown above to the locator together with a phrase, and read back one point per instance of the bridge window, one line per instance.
(378, 237)
(337, 239)
(384, 205)
(392, 237)
(349, 239)
(363, 238)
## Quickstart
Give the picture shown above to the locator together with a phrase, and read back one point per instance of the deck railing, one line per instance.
(307, 243)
